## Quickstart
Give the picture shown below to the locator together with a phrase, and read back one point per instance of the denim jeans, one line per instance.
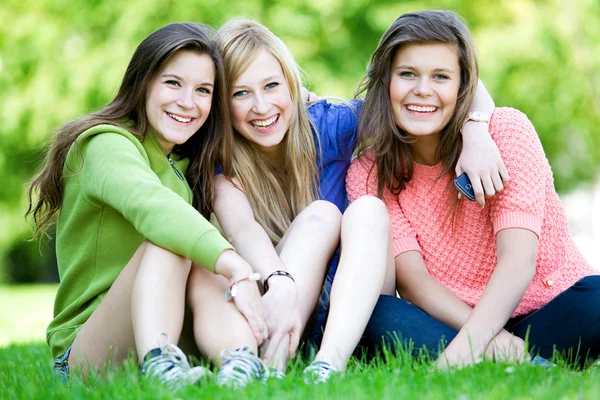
(569, 323)
(61, 366)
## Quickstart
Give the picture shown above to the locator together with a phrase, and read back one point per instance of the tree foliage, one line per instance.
(61, 59)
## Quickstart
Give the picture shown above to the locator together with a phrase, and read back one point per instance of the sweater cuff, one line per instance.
(521, 220)
(208, 248)
(404, 244)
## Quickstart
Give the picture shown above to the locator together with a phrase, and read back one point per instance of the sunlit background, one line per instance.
(61, 59)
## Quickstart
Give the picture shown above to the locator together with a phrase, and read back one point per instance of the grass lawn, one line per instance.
(25, 372)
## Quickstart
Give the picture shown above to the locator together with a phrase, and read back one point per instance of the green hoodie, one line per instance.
(118, 192)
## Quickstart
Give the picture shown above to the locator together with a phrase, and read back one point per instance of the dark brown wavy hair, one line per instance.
(211, 145)
(386, 144)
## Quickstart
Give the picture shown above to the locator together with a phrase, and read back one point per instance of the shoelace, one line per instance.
(274, 373)
(241, 367)
(318, 372)
(172, 366)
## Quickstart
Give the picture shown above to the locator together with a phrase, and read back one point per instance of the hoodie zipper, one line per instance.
(175, 169)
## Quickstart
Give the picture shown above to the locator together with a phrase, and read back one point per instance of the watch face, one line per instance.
(478, 117)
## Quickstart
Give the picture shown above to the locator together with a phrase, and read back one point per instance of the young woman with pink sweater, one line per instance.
(478, 281)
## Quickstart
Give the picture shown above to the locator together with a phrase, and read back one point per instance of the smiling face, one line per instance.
(424, 85)
(179, 98)
(261, 104)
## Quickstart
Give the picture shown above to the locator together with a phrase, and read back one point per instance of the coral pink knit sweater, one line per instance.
(464, 259)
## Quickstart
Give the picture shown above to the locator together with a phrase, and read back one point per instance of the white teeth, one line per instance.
(421, 109)
(178, 118)
(266, 123)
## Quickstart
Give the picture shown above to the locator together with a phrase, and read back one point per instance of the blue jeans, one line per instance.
(569, 323)
(61, 366)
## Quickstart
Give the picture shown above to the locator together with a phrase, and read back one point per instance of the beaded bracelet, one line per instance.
(232, 291)
(277, 273)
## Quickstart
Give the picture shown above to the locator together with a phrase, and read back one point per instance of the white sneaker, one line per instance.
(169, 365)
(274, 373)
(240, 368)
(318, 372)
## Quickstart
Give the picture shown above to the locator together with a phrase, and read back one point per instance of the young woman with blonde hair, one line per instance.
(284, 208)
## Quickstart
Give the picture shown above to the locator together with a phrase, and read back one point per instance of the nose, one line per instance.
(423, 87)
(260, 104)
(186, 99)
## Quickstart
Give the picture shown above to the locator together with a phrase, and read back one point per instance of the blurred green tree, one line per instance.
(61, 59)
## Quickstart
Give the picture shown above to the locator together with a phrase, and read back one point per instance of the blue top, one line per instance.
(336, 135)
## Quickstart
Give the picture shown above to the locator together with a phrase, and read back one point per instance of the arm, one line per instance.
(236, 217)
(516, 214)
(416, 285)
(516, 252)
(114, 173)
(480, 157)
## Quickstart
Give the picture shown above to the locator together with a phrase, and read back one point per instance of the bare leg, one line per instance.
(158, 297)
(306, 249)
(218, 325)
(364, 264)
(108, 335)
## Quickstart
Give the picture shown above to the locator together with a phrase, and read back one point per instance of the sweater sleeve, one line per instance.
(361, 180)
(116, 174)
(521, 203)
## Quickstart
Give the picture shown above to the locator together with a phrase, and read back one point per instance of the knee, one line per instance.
(322, 214)
(370, 212)
(171, 261)
(591, 286)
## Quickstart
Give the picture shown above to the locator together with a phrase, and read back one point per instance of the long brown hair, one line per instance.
(378, 134)
(210, 145)
(274, 201)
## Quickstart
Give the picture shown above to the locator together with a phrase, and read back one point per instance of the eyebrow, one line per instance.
(408, 67)
(268, 78)
(181, 79)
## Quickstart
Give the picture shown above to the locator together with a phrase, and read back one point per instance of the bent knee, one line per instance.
(589, 287)
(166, 257)
(204, 285)
(321, 213)
(369, 211)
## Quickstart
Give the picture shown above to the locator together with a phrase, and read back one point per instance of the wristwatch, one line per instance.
(477, 116)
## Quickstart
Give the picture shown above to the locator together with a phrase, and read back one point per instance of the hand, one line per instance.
(464, 350)
(482, 162)
(247, 300)
(283, 317)
(280, 356)
(459, 353)
(308, 97)
(506, 347)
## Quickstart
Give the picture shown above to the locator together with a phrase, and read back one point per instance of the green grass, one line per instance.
(25, 312)
(25, 373)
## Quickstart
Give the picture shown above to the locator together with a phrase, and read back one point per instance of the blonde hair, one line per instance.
(275, 198)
